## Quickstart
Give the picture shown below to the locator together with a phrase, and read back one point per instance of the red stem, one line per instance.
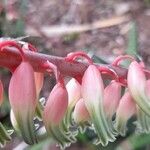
(53, 68)
(10, 58)
(10, 43)
(72, 56)
(117, 61)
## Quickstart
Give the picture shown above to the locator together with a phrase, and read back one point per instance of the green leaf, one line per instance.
(135, 142)
(132, 40)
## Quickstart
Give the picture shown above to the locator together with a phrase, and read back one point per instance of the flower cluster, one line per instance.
(84, 102)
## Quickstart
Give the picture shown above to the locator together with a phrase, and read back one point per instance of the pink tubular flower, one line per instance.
(55, 110)
(1, 92)
(112, 95)
(74, 94)
(137, 86)
(74, 91)
(56, 106)
(22, 96)
(125, 111)
(81, 113)
(93, 95)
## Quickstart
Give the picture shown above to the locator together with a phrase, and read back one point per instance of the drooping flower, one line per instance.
(56, 106)
(74, 94)
(22, 94)
(93, 95)
(125, 111)
(112, 95)
(137, 86)
(81, 113)
(55, 109)
(74, 91)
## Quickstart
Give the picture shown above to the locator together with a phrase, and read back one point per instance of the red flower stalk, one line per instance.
(72, 56)
(117, 61)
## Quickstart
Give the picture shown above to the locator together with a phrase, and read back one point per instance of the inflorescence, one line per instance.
(86, 101)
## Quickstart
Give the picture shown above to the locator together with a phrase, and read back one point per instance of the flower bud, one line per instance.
(80, 113)
(93, 95)
(74, 91)
(74, 94)
(112, 95)
(125, 111)
(22, 96)
(1, 92)
(137, 85)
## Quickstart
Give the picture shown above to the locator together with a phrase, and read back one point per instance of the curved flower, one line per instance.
(22, 96)
(54, 113)
(56, 106)
(137, 86)
(93, 94)
(74, 94)
(125, 111)
(112, 95)
(81, 113)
